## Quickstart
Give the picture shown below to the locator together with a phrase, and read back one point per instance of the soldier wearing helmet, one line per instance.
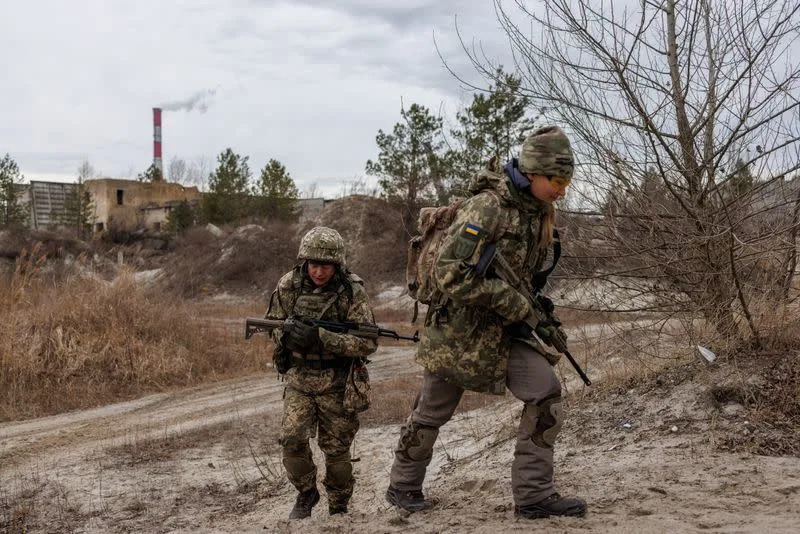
(474, 336)
(319, 287)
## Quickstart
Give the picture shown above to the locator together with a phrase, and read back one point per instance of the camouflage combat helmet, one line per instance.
(322, 244)
(547, 152)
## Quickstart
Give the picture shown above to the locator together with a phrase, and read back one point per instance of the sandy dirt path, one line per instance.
(206, 460)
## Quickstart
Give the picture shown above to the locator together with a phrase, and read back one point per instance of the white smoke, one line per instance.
(200, 100)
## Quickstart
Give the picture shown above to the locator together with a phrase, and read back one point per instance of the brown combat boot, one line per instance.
(554, 505)
(304, 504)
(410, 501)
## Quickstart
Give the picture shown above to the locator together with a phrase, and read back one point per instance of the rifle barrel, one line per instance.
(578, 368)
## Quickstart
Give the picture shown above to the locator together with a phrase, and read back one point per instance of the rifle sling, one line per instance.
(539, 279)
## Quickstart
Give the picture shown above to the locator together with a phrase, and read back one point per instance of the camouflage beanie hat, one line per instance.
(547, 152)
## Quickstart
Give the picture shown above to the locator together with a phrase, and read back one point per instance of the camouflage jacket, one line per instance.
(464, 340)
(342, 299)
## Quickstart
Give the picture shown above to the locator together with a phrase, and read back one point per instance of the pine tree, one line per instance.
(275, 192)
(12, 210)
(492, 126)
(411, 166)
(152, 174)
(180, 218)
(226, 200)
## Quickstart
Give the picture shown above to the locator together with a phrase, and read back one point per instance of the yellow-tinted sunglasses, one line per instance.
(560, 182)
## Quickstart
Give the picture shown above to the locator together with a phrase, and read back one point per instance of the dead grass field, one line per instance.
(81, 342)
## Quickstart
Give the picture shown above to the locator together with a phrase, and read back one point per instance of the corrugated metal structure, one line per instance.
(47, 202)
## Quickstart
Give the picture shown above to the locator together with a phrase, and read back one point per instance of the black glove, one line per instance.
(520, 329)
(302, 337)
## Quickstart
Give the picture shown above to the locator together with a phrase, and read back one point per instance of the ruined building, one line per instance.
(124, 205)
(129, 205)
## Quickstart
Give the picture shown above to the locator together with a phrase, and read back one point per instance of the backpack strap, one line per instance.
(297, 286)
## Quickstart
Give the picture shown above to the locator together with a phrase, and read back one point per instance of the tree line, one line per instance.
(233, 195)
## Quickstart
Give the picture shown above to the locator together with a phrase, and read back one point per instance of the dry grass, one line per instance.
(83, 342)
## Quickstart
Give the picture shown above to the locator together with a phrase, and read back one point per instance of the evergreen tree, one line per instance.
(12, 210)
(491, 127)
(411, 166)
(152, 174)
(78, 204)
(180, 218)
(226, 200)
(275, 191)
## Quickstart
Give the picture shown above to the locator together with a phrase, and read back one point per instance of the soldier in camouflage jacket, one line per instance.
(473, 337)
(319, 287)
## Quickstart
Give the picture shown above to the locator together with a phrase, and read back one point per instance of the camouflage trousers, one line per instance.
(531, 379)
(313, 405)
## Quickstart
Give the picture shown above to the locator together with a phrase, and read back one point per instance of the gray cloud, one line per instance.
(400, 16)
(306, 82)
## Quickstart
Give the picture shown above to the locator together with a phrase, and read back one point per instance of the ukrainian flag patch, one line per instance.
(472, 230)
(467, 241)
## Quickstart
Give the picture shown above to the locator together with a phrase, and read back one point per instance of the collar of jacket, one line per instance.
(501, 183)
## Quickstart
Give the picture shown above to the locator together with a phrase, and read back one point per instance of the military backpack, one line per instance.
(423, 251)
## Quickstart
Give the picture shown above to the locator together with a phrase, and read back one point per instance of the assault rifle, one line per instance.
(254, 325)
(543, 324)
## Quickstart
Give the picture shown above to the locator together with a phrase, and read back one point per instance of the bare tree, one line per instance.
(176, 170)
(668, 103)
(198, 172)
(310, 191)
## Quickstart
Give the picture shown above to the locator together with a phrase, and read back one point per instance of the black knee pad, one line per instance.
(416, 441)
(297, 458)
(548, 420)
(338, 471)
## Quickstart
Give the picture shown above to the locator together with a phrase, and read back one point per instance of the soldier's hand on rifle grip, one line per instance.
(520, 330)
(523, 329)
(302, 337)
(553, 335)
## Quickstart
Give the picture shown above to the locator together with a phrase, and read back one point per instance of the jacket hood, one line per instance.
(493, 177)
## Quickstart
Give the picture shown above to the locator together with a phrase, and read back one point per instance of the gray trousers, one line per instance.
(530, 378)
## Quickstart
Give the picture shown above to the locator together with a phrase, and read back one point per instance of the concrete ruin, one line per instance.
(128, 205)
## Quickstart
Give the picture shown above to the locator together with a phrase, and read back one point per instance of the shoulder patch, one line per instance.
(472, 230)
(467, 240)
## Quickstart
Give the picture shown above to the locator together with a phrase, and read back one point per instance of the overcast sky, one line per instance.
(308, 82)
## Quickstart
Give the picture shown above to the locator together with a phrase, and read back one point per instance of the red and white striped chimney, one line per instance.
(157, 140)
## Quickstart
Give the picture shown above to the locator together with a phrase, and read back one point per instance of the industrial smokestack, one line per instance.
(157, 162)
